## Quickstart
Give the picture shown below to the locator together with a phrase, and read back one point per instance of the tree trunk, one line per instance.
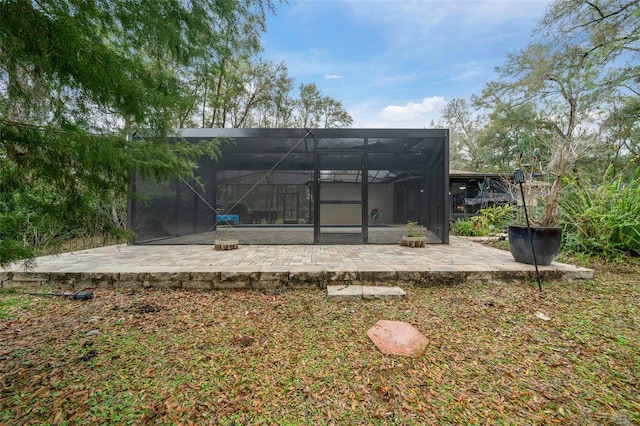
(551, 209)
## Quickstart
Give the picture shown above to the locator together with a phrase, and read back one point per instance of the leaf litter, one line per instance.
(296, 358)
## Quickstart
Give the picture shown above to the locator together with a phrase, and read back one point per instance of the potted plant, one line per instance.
(537, 240)
(226, 241)
(414, 235)
(549, 95)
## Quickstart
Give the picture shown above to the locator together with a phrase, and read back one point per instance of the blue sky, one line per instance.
(397, 63)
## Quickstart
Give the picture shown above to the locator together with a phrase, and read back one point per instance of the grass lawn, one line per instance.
(295, 358)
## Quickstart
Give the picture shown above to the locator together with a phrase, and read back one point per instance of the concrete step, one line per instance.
(359, 292)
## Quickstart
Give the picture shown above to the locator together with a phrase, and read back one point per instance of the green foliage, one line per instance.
(565, 81)
(242, 91)
(466, 127)
(315, 110)
(476, 226)
(572, 92)
(463, 227)
(120, 56)
(602, 220)
(490, 220)
(414, 230)
(58, 185)
(499, 217)
(11, 305)
(75, 78)
(624, 125)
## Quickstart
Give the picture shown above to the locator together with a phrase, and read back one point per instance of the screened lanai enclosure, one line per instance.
(299, 186)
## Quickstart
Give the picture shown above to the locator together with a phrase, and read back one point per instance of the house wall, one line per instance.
(340, 214)
(381, 198)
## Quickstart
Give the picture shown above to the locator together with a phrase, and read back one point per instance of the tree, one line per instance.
(75, 78)
(333, 115)
(309, 106)
(224, 79)
(581, 73)
(246, 91)
(510, 136)
(623, 123)
(278, 110)
(608, 33)
(606, 29)
(567, 89)
(314, 110)
(247, 95)
(465, 129)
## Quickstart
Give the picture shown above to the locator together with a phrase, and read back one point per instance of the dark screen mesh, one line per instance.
(293, 186)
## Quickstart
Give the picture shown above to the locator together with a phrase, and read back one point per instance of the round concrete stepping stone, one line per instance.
(397, 338)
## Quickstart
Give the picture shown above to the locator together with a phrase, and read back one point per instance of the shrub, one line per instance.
(602, 220)
(476, 226)
(498, 217)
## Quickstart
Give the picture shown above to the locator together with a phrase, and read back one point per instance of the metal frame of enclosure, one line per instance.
(300, 186)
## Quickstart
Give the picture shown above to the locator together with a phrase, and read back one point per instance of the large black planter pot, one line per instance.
(546, 243)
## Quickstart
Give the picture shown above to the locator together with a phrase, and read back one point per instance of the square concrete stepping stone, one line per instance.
(397, 338)
(376, 292)
(344, 292)
(358, 292)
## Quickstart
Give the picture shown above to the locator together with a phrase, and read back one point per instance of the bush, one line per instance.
(490, 220)
(474, 227)
(602, 220)
(499, 217)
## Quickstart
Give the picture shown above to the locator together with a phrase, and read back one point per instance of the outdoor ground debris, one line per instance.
(296, 358)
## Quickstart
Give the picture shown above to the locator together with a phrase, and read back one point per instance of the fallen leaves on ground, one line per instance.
(296, 358)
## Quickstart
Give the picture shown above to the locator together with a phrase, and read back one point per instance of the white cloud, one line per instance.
(417, 113)
(333, 76)
(410, 115)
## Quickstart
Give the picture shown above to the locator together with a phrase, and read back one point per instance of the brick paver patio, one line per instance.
(278, 266)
